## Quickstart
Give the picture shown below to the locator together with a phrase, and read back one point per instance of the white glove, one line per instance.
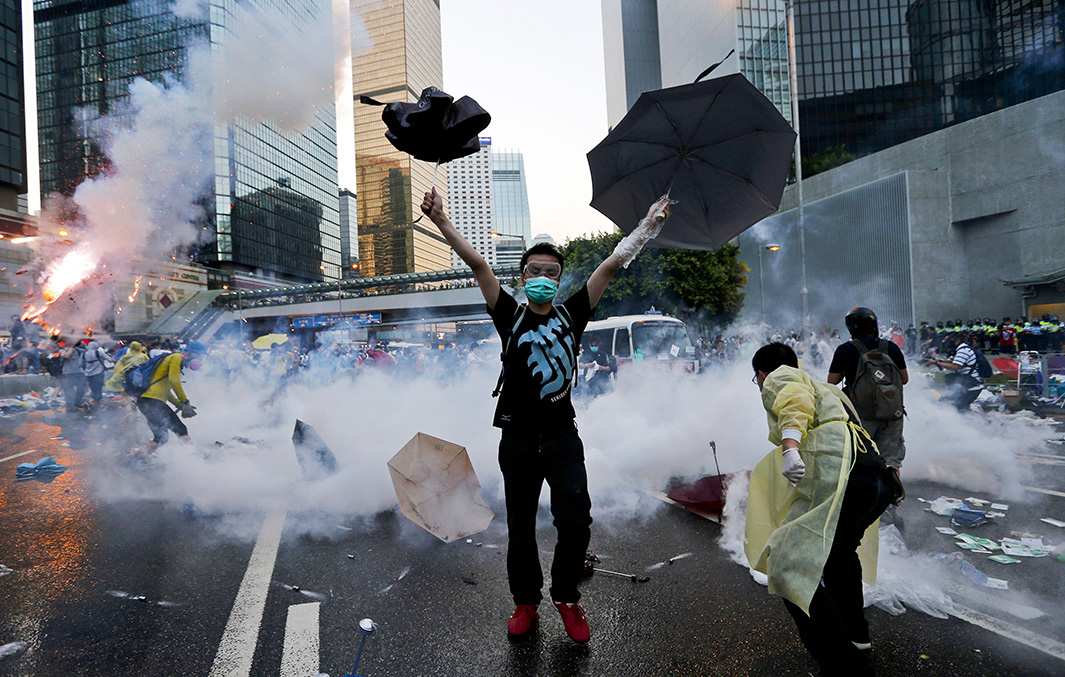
(648, 230)
(794, 469)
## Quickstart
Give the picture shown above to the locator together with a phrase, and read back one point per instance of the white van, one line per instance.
(653, 339)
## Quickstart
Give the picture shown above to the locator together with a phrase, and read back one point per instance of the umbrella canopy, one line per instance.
(718, 147)
(436, 128)
(437, 488)
(268, 341)
(316, 459)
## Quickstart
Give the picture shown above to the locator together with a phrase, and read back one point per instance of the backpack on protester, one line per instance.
(139, 378)
(983, 367)
(877, 388)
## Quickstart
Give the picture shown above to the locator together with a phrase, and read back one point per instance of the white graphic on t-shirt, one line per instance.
(551, 356)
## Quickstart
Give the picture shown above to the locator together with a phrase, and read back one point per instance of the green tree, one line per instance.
(704, 288)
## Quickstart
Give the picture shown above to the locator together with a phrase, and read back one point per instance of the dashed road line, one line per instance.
(18, 455)
(299, 657)
(1047, 492)
(237, 648)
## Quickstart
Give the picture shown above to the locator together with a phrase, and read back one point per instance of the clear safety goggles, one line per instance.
(549, 269)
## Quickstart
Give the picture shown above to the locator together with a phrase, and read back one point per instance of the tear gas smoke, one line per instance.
(651, 428)
(150, 201)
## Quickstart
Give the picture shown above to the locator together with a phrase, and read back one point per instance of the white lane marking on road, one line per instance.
(237, 648)
(999, 627)
(1048, 492)
(299, 657)
(1022, 611)
(23, 453)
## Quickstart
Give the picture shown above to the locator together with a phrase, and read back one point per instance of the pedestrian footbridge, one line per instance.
(408, 298)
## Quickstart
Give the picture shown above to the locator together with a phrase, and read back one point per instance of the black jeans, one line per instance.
(837, 615)
(962, 389)
(161, 419)
(527, 458)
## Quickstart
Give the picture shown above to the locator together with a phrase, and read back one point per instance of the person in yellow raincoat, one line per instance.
(811, 501)
(133, 357)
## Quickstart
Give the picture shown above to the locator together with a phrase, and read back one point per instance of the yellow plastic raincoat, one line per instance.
(790, 529)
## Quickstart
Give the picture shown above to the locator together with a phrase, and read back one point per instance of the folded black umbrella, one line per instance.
(436, 128)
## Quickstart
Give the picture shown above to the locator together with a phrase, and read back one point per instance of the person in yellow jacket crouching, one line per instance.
(166, 388)
(812, 500)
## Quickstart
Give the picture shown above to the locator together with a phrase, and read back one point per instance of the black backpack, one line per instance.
(877, 388)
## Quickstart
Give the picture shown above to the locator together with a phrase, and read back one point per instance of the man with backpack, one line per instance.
(967, 369)
(539, 438)
(74, 384)
(156, 383)
(873, 372)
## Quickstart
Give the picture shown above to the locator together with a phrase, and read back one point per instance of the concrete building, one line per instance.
(510, 206)
(273, 199)
(349, 233)
(406, 59)
(927, 230)
(695, 35)
(470, 181)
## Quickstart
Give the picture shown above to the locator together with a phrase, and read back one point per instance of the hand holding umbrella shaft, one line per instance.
(648, 230)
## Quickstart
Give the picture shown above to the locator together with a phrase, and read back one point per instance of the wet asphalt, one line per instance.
(80, 567)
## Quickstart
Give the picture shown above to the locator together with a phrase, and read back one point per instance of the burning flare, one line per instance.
(68, 272)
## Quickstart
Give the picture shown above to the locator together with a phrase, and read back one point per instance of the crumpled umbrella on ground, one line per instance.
(436, 487)
(46, 468)
(268, 341)
(435, 128)
(718, 147)
(316, 459)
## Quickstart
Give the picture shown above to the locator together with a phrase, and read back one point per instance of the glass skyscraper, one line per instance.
(273, 203)
(510, 206)
(687, 38)
(875, 73)
(405, 59)
(12, 115)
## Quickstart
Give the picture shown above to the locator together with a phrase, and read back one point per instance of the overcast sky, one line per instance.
(537, 67)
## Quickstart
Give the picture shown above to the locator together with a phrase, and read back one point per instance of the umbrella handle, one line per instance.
(430, 189)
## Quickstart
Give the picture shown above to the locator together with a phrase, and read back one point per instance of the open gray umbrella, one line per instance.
(717, 147)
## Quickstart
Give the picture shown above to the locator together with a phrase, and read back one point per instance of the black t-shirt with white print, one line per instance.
(540, 361)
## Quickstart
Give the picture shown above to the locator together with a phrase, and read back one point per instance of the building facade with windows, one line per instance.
(876, 73)
(510, 206)
(406, 59)
(695, 35)
(272, 205)
(12, 108)
(470, 181)
(349, 233)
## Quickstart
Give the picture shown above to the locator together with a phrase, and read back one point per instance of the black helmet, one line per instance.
(1035, 320)
(1053, 318)
(1045, 317)
(861, 321)
(987, 320)
(957, 323)
(940, 324)
(1006, 320)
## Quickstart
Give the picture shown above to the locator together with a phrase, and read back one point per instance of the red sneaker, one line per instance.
(521, 621)
(575, 622)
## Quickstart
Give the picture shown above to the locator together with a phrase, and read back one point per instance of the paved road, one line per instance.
(221, 604)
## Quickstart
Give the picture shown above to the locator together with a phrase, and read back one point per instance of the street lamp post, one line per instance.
(513, 237)
(793, 81)
(772, 247)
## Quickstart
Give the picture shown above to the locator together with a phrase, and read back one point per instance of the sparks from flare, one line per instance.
(69, 271)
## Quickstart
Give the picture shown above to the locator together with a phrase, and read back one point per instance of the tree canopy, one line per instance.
(704, 288)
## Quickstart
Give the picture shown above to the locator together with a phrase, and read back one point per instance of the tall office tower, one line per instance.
(273, 203)
(690, 37)
(875, 73)
(12, 114)
(633, 61)
(405, 59)
(510, 206)
(470, 181)
(349, 234)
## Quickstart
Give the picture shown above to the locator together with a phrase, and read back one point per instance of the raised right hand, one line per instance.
(433, 206)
